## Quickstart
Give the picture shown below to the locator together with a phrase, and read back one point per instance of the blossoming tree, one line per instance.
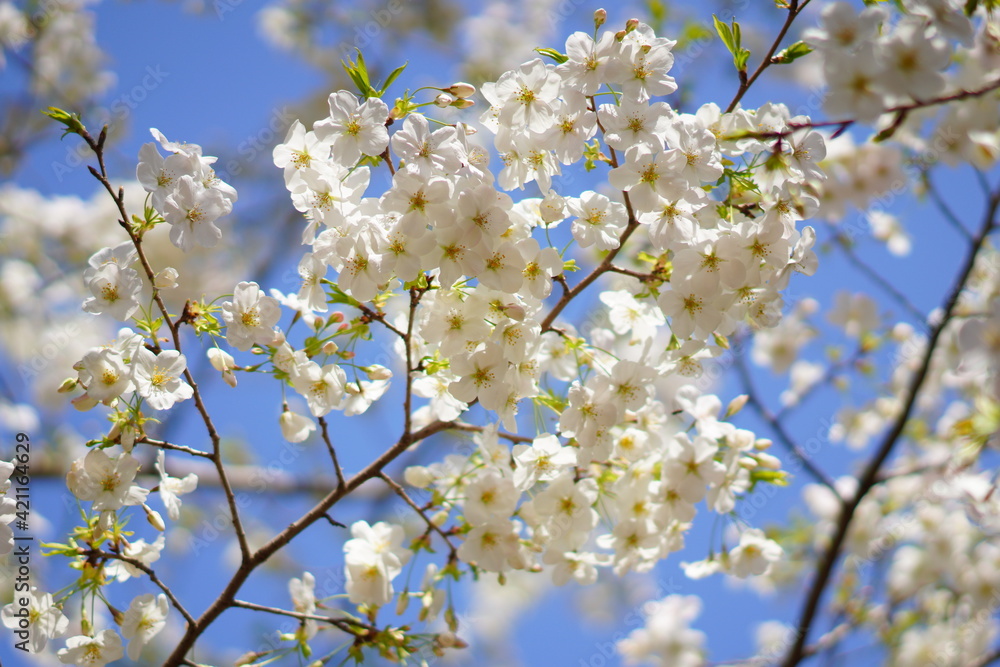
(570, 340)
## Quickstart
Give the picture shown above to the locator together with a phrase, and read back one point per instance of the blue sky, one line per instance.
(212, 81)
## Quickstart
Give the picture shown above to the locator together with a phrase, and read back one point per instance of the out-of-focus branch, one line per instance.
(776, 424)
(878, 279)
(870, 475)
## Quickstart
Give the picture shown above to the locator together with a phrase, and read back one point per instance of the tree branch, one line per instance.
(216, 457)
(794, 9)
(870, 475)
(259, 557)
(777, 426)
(139, 565)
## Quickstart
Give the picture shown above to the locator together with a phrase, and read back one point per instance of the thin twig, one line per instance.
(512, 437)
(139, 565)
(119, 197)
(401, 492)
(776, 424)
(346, 624)
(643, 277)
(794, 8)
(177, 448)
(379, 317)
(942, 206)
(879, 280)
(279, 541)
(333, 453)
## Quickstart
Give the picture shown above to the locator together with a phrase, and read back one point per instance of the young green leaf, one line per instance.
(724, 33)
(70, 120)
(791, 53)
(552, 53)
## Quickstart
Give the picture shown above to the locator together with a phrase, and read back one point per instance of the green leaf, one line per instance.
(776, 477)
(337, 295)
(358, 72)
(725, 34)
(70, 120)
(552, 53)
(551, 401)
(732, 36)
(393, 75)
(740, 59)
(791, 53)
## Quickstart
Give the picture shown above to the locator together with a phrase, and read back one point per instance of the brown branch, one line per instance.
(842, 125)
(871, 473)
(119, 197)
(346, 624)
(333, 453)
(161, 444)
(379, 317)
(794, 9)
(511, 437)
(642, 277)
(852, 257)
(259, 557)
(401, 492)
(139, 565)
(776, 425)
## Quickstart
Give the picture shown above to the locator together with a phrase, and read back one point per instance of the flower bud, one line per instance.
(402, 603)
(295, 427)
(335, 317)
(631, 25)
(154, 519)
(461, 90)
(553, 207)
(463, 104)
(378, 372)
(443, 101)
(166, 279)
(68, 385)
(418, 477)
(768, 461)
(83, 403)
(736, 405)
(221, 360)
(600, 18)
(447, 639)
(762, 444)
(515, 312)
(330, 347)
(620, 35)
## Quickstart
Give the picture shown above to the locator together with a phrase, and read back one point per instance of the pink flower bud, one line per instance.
(461, 90)
(444, 100)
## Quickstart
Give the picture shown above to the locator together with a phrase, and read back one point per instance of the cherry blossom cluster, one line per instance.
(692, 223)
(184, 189)
(479, 280)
